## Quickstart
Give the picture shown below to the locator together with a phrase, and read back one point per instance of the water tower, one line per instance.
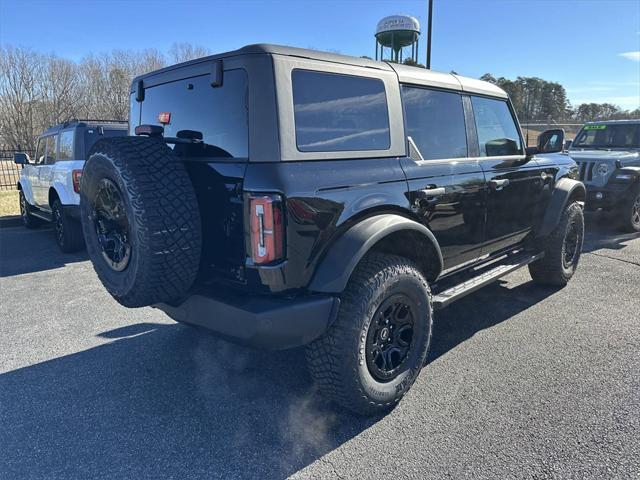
(397, 32)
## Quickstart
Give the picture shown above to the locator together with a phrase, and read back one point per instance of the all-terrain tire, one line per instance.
(68, 230)
(162, 217)
(629, 213)
(560, 260)
(338, 359)
(28, 220)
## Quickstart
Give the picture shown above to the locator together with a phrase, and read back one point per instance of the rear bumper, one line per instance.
(272, 323)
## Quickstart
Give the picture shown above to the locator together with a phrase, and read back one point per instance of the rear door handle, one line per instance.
(432, 192)
(499, 184)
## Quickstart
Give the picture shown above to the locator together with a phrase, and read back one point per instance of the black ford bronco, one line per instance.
(284, 197)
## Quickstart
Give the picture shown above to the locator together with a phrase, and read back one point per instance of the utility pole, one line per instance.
(429, 35)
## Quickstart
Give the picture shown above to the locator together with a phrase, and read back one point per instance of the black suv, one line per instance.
(284, 197)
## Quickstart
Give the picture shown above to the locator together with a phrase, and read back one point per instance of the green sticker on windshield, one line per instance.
(595, 127)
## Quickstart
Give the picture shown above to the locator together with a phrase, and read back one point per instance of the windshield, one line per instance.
(609, 136)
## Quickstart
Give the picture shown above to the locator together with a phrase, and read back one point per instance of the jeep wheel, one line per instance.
(28, 220)
(630, 213)
(141, 220)
(68, 230)
(562, 249)
(375, 349)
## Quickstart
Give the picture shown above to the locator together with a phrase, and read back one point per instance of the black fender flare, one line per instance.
(334, 271)
(633, 171)
(564, 189)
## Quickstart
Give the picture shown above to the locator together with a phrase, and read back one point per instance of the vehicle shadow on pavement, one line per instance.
(27, 251)
(601, 234)
(162, 401)
(483, 309)
(165, 401)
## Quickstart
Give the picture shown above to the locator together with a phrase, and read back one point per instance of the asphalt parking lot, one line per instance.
(522, 382)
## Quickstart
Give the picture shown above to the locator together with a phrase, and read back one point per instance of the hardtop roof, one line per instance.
(406, 73)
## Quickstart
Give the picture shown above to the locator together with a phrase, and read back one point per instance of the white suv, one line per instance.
(49, 184)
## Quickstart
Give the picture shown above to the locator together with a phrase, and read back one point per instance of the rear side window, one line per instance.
(218, 115)
(65, 145)
(435, 122)
(496, 127)
(339, 112)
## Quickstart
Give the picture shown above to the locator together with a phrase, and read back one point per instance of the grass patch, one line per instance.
(9, 203)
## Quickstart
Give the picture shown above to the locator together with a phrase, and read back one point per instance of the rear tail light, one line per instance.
(267, 230)
(75, 176)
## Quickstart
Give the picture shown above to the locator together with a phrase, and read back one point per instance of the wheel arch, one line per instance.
(565, 191)
(385, 233)
(53, 196)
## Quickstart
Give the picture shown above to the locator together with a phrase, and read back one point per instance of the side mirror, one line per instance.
(20, 158)
(551, 141)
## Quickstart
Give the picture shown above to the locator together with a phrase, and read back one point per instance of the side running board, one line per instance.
(507, 265)
(46, 216)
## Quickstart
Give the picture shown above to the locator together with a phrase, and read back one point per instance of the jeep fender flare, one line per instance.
(564, 189)
(633, 171)
(334, 271)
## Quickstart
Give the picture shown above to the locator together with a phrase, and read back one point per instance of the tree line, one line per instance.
(38, 90)
(537, 100)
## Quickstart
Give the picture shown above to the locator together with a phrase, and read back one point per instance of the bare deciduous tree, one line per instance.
(181, 52)
(38, 90)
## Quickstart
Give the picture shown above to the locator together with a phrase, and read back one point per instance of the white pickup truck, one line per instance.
(49, 183)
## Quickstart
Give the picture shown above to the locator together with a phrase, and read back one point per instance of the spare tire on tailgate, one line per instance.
(140, 219)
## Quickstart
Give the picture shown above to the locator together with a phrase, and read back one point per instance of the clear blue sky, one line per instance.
(590, 46)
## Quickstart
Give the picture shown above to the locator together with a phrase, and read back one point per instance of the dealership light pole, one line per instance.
(429, 35)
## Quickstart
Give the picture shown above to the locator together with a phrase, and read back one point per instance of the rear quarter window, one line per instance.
(336, 112)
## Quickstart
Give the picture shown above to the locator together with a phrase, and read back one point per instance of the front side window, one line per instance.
(39, 160)
(65, 145)
(339, 112)
(497, 132)
(193, 109)
(435, 122)
(50, 155)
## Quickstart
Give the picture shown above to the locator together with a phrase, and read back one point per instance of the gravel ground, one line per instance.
(522, 382)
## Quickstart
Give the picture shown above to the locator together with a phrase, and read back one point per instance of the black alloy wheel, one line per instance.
(570, 248)
(111, 225)
(635, 212)
(24, 212)
(389, 338)
(58, 225)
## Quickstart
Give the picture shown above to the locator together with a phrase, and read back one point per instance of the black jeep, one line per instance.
(283, 197)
